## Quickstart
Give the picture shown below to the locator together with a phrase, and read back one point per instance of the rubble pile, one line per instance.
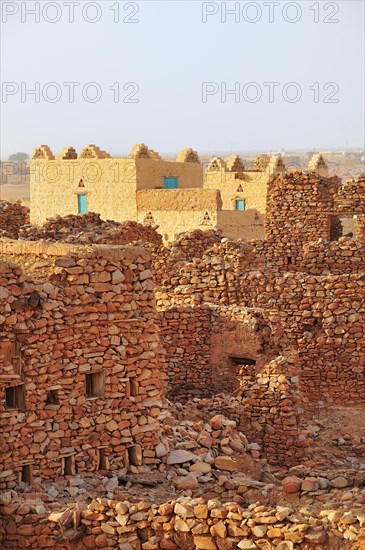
(90, 228)
(12, 217)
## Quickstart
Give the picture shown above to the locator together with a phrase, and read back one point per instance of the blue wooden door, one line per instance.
(81, 203)
(240, 204)
(171, 183)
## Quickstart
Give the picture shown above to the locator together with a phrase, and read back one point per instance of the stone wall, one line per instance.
(210, 347)
(185, 335)
(304, 207)
(320, 316)
(298, 211)
(323, 318)
(343, 256)
(186, 523)
(81, 381)
(272, 408)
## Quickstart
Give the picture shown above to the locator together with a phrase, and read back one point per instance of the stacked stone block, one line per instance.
(81, 382)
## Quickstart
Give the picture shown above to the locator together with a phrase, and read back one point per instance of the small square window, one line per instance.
(94, 384)
(15, 397)
(103, 461)
(240, 204)
(134, 388)
(52, 398)
(10, 353)
(27, 473)
(68, 465)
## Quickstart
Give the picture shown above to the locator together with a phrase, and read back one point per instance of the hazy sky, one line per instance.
(312, 51)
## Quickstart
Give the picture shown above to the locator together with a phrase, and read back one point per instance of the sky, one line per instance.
(116, 73)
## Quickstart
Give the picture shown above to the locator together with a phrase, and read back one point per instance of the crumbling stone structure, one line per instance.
(305, 207)
(81, 381)
(188, 523)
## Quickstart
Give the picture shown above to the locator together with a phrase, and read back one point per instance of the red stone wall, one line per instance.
(85, 366)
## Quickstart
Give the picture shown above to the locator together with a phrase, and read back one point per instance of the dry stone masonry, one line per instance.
(81, 387)
(181, 395)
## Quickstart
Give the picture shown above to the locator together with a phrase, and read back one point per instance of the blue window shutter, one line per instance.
(170, 183)
(81, 203)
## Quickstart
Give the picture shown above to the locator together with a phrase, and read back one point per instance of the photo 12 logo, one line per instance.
(271, 92)
(70, 92)
(70, 11)
(55, 171)
(269, 12)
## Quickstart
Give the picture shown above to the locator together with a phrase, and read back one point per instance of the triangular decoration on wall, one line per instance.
(206, 220)
(239, 190)
(149, 219)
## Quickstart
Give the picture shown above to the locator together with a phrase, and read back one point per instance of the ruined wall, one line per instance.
(81, 382)
(304, 207)
(350, 196)
(298, 211)
(320, 316)
(210, 347)
(185, 335)
(323, 319)
(343, 256)
(191, 523)
(273, 410)
(211, 278)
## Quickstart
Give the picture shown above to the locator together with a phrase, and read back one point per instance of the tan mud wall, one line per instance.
(151, 173)
(176, 211)
(245, 225)
(110, 186)
(253, 184)
(177, 200)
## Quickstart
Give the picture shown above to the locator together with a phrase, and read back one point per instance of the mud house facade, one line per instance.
(175, 195)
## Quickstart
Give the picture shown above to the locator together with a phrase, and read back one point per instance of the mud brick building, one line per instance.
(80, 385)
(176, 196)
